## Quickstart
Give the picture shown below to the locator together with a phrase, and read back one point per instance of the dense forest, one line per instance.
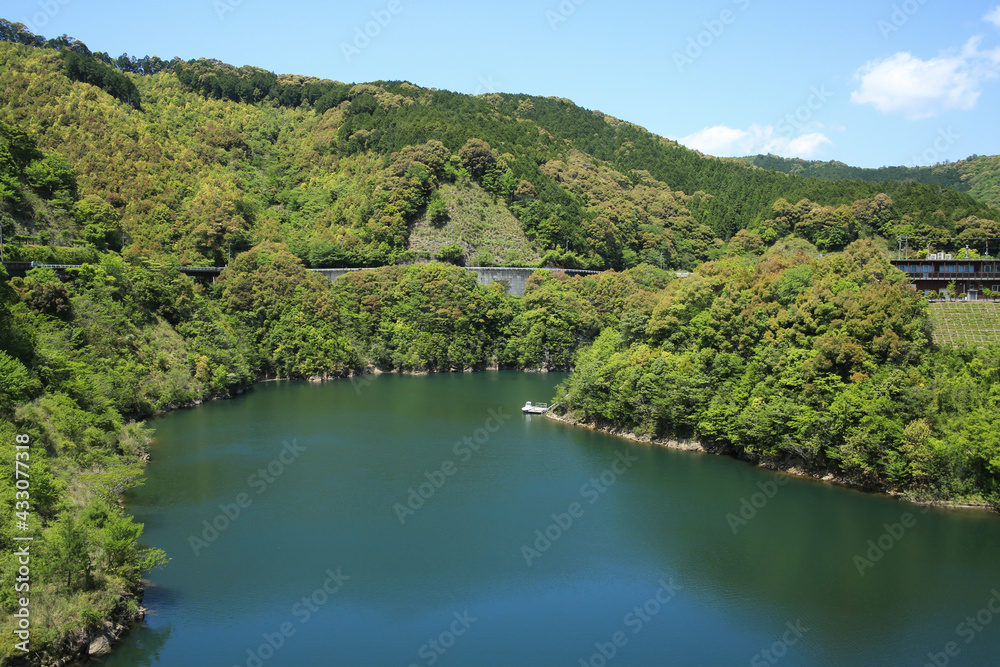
(979, 175)
(824, 364)
(794, 342)
(196, 159)
(87, 353)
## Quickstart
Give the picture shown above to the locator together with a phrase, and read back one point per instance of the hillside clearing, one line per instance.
(975, 323)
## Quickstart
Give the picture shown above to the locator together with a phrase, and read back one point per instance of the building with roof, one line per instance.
(971, 276)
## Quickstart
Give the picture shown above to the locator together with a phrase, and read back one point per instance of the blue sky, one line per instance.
(873, 83)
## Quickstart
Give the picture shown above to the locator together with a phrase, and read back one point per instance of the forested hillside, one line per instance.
(824, 364)
(196, 159)
(978, 175)
(134, 167)
(87, 352)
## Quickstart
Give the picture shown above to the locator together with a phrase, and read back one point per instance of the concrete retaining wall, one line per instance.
(333, 274)
(516, 279)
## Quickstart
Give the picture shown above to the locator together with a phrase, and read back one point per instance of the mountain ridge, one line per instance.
(978, 175)
(198, 158)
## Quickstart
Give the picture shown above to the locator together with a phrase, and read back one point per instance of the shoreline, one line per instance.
(87, 646)
(124, 629)
(686, 445)
(124, 625)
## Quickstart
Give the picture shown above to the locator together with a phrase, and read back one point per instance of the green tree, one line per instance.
(67, 552)
(453, 254)
(101, 223)
(477, 157)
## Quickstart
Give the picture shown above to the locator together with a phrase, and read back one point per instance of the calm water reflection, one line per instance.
(296, 540)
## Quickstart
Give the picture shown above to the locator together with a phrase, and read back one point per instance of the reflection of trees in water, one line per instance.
(146, 643)
(141, 647)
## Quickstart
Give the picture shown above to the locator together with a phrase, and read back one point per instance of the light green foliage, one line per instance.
(78, 352)
(101, 223)
(555, 321)
(562, 313)
(827, 363)
(436, 317)
(425, 317)
(286, 316)
(453, 253)
(225, 157)
(15, 383)
(630, 222)
(768, 350)
(437, 211)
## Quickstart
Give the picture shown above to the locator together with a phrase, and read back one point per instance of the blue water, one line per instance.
(641, 556)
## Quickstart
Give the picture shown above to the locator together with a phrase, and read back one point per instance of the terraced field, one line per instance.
(974, 323)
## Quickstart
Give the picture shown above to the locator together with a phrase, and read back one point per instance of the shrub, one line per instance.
(438, 212)
(453, 254)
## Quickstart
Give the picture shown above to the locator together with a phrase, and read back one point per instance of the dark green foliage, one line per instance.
(453, 254)
(477, 158)
(147, 65)
(425, 317)
(250, 85)
(769, 351)
(977, 175)
(838, 171)
(43, 292)
(88, 69)
(739, 194)
(825, 364)
(19, 34)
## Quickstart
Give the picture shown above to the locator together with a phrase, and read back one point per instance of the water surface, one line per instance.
(296, 540)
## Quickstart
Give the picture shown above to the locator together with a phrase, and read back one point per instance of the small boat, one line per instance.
(536, 408)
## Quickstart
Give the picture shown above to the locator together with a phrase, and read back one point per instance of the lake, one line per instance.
(400, 520)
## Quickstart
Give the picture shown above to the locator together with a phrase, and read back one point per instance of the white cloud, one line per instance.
(717, 140)
(993, 16)
(805, 146)
(919, 88)
(724, 141)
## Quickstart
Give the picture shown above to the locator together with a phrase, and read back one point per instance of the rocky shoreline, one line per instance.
(687, 445)
(86, 645)
(99, 643)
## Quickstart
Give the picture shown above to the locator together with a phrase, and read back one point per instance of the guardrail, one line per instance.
(22, 266)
